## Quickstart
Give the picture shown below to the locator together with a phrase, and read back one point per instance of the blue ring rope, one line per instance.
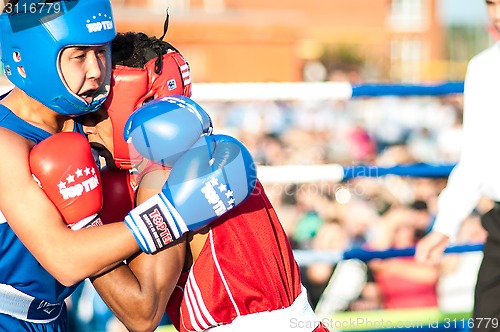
(412, 170)
(379, 90)
(307, 257)
(367, 255)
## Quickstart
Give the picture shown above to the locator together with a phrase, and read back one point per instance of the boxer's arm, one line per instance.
(138, 293)
(69, 256)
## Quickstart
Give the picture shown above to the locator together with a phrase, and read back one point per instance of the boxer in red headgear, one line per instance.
(164, 75)
(238, 274)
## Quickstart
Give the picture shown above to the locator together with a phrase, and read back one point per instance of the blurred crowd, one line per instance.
(368, 213)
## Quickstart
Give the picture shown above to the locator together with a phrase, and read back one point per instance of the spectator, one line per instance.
(330, 236)
(404, 283)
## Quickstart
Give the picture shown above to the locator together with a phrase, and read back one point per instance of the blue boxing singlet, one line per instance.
(21, 276)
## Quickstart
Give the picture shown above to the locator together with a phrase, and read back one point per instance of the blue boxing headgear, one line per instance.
(33, 34)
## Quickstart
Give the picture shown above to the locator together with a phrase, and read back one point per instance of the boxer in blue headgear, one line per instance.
(34, 34)
(56, 53)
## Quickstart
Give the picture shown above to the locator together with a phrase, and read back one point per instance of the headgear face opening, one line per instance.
(132, 87)
(33, 35)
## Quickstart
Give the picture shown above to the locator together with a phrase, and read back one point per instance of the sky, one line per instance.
(463, 12)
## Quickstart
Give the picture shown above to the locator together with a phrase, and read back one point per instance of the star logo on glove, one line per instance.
(213, 197)
(70, 178)
(214, 181)
(79, 172)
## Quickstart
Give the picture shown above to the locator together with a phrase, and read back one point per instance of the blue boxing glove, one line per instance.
(163, 129)
(213, 176)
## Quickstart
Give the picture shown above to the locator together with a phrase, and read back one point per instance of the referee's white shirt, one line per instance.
(477, 173)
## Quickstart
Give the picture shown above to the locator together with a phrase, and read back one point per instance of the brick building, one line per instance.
(262, 40)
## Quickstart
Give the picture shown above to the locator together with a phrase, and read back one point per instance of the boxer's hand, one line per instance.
(65, 169)
(214, 175)
(431, 247)
(163, 129)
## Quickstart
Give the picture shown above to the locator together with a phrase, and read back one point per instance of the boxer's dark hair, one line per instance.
(134, 49)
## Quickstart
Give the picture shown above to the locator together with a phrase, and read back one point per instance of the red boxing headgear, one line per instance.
(131, 87)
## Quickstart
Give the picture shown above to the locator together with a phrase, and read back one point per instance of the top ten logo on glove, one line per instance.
(83, 179)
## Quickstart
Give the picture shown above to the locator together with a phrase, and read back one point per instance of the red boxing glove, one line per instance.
(118, 192)
(65, 169)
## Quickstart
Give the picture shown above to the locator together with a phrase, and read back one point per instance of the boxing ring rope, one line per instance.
(308, 257)
(310, 91)
(316, 91)
(406, 90)
(338, 173)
